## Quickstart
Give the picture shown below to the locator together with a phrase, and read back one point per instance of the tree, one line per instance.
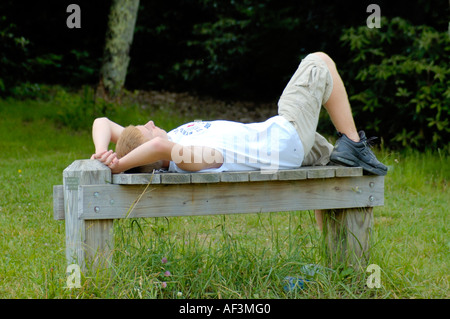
(119, 36)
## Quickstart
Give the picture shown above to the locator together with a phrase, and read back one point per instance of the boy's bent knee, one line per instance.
(329, 61)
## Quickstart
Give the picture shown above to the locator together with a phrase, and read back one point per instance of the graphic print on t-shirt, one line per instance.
(192, 128)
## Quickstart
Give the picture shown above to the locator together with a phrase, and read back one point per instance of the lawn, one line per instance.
(233, 256)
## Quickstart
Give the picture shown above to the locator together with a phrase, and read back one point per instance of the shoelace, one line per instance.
(369, 141)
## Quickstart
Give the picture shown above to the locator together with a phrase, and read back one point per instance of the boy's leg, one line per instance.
(317, 82)
(352, 148)
(338, 105)
(309, 88)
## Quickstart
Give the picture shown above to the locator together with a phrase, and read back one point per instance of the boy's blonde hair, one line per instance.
(131, 138)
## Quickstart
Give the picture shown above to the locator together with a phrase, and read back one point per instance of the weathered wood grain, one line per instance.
(136, 178)
(308, 172)
(321, 172)
(292, 174)
(87, 242)
(205, 178)
(58, 202)
(347, 235)
(114, 201)
(175, 178)
(234, 177)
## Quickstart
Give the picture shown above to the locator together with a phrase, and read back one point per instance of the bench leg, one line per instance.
(347, 235)
(89, 243)
(99, 243)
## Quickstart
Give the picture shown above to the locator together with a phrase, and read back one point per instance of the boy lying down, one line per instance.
(286, 141)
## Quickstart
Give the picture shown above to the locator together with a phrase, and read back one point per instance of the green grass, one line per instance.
(233, 256)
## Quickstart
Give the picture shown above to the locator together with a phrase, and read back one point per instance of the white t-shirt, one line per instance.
(267, 146)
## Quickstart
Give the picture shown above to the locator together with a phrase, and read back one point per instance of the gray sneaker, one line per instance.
(357, 154)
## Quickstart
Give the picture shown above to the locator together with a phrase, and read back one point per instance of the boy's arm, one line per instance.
(104, 131)
(152, 151)
(159, 149)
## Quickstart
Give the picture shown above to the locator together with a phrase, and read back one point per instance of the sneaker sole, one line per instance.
(335, 158)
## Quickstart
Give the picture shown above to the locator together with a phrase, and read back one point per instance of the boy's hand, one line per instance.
(105, 157)
(109, 158)
(114, 166)
(98, 154)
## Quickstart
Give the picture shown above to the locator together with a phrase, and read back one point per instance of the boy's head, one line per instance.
(150, 130)
(132, 137)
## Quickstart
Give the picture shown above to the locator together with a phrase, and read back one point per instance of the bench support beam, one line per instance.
(346, 233)
(89, 243)
(137, 201)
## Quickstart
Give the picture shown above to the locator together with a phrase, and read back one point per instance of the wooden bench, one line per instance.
(91, 198)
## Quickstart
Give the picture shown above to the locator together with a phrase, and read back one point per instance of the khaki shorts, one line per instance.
(309, 88)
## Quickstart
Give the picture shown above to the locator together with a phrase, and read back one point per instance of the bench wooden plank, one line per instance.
(175, 178)
(342, 171)
(233, 177)
(257, 176)
(309, 172)
(292, 174)
(114, 201)
(321, 172)
(205, 178)
(136, 178)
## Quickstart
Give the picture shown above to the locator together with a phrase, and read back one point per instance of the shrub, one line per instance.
(75, 111)
(399, 82)
(11, 45)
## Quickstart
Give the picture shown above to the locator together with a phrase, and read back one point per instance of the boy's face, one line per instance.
(150, 130)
